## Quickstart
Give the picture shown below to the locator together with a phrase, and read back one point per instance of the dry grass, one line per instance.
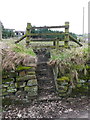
(70, 61)
(12, 58)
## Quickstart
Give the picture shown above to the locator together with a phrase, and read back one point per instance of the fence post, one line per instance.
(54, 42)
(57, 44)
(66, 34)
(0, 31)
(28, 30)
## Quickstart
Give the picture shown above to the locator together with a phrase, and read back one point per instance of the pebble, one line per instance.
(68, 110)
(45, 110)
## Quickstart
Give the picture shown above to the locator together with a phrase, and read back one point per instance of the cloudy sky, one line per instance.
(15, 14)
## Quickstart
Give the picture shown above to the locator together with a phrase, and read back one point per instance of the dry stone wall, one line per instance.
(20, 83)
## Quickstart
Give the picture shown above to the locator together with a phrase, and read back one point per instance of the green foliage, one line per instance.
(6, 33)
(61, 36)
(74, 35)
(60, 55)
(21, 49)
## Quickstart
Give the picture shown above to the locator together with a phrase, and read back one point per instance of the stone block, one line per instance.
(33, 91)
(7, 80)
(4, 76)
(25, 78)
(31, 72)
(27, 89)
(22, 73)
(20, 94)
(5, 85)
(13, 74)
(20, 84)
(11, 89)
(4, 90)
(12, 85)
(4, 93)
(32, 82)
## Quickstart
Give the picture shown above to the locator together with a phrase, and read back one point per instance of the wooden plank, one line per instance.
(20, 39)
(41, 40)
(45, 40)
(74, 40)
(48, 27)
(42, 34)
(43, 47)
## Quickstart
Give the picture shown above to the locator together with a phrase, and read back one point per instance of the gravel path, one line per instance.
(64, 108)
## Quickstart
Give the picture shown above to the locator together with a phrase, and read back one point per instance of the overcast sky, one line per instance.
(15, 14)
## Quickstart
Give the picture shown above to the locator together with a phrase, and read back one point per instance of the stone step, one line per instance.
(46, 93)
(43, 66)
(40, 70)
(47, 87)
(43, 71)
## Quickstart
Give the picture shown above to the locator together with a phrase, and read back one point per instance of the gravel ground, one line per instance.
(64, 108)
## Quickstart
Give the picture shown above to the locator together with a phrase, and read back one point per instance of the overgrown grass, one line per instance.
(21, 49)
(70, 62)
(67, 54)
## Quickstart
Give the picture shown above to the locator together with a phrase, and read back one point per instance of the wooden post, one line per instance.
(0, 31)
(54, 42)
(66, 34)
(28, 30)
(57, 44)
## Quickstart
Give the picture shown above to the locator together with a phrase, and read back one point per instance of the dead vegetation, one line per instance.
(70, 62)
(12, 58)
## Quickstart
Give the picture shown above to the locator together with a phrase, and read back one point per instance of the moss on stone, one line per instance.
(22, 68)
(4, 90)
(33, 91)
(7, 80)
(5, 85)
(5, 93)
(4, 76)
(31, 73)
(11, 89)
(25, 78)
(20, 84)
(27, 89)
(22, 73)
(64, 78)
(32, 82)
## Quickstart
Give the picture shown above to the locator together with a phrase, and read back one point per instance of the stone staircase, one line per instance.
(44, 74)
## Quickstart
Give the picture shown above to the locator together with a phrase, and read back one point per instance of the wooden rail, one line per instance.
(48, 27)
(42, 34)
(56, 40)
